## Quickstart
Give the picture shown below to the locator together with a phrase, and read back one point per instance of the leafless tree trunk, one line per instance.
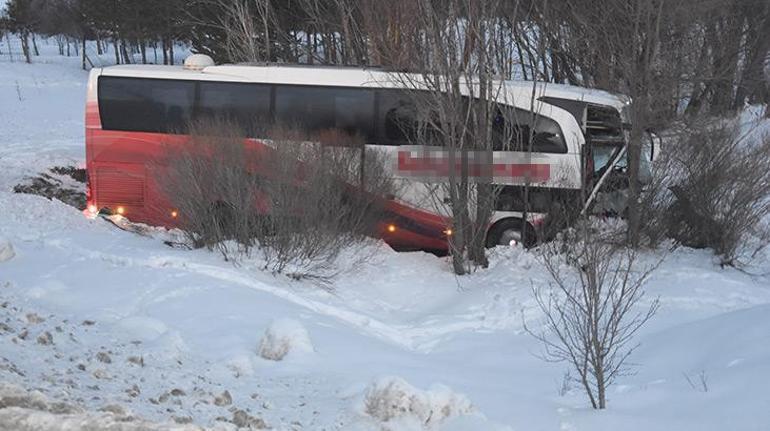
(143, 50)
(83, 54)
(25, 46)
(753, 85)
(115, 48)
(8, 43)
(164, 48)
(99, 47)
(124, 52)
(34, 46)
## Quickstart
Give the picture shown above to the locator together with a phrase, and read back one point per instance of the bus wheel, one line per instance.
(509, 232)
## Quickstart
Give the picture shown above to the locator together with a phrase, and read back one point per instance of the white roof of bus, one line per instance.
(348, 77)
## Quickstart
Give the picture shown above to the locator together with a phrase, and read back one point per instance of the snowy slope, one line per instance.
(165, 332)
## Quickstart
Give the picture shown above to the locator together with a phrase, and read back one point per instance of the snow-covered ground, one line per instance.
(99, 317)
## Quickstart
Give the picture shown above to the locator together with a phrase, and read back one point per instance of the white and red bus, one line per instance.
(135, 111)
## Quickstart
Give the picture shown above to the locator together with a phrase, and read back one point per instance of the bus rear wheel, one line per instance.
(510, 232)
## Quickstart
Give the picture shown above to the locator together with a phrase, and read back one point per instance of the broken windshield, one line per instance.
(604, 154)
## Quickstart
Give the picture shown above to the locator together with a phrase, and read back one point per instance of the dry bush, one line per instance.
(211, 183)
(323, 199)
(298, 199)
(594, 306)
(720, 181)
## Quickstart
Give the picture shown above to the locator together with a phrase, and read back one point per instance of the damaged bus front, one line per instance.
(605, 121)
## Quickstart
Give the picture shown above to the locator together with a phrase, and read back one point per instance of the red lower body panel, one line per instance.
(124, 169)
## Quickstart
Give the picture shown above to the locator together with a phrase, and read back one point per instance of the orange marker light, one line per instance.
(448, 232)
(120, 210)
(174, 214)
(391, 228)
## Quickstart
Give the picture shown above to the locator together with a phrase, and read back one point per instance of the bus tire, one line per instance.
(509, 229)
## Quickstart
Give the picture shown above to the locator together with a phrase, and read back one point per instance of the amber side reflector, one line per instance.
(391, 228)
(120, 210)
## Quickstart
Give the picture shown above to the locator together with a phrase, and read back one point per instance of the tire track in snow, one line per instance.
(421, 338)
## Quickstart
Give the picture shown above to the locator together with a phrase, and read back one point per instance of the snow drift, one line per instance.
(400, 406)
(282, 337)
(6, 250)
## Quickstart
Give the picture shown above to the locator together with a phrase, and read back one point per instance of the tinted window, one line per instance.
(397, 118)
(312, 108)
(543, 200)
(145, 105)
(248, 105)
(512, 131)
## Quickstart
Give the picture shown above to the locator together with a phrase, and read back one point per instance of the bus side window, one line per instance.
(397, 119)
(306, 108)
(315, 108)
(145, 105)
(354, 112)
(512, 131)
(509, 132)
(247, 105)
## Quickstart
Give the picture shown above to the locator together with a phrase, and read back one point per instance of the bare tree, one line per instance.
(459, 97)
(594, 307)
(245, 27)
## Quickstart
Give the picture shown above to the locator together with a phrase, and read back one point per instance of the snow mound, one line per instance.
(6, 250)
(12, 396)
(22, 410)
(282, 337)
(397, 405)
(142, 328)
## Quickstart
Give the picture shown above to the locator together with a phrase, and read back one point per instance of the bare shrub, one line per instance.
(721, 185)
(210, 181)
(393, 400)
(300, 199)
(326, 193)
(594, 306)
